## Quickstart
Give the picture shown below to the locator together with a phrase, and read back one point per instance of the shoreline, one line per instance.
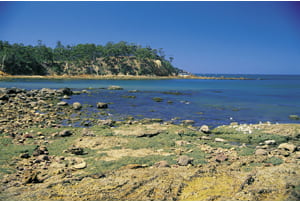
(135, 156)
(117, 77)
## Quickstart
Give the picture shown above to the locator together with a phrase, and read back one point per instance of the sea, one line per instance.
(263, 98)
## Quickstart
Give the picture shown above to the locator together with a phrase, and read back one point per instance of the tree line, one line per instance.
(111, 58)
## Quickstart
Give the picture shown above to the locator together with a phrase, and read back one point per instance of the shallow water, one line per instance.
(213, 102)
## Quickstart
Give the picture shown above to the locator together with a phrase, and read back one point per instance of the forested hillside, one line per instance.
(110, 59)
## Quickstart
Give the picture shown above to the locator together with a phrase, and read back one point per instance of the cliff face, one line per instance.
(122, 65)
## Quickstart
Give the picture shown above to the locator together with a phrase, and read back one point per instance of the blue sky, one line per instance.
(203, 37)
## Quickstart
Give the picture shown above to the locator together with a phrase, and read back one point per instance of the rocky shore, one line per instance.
(117, 77)
(43, 158)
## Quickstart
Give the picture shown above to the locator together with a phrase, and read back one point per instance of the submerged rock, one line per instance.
(115, 88)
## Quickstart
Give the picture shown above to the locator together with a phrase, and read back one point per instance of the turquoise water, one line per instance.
(214, 102)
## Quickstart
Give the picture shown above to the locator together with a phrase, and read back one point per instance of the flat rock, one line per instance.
(261, 152)
(220, 140)
(62, 103)
(80, 165)
(287, 146)
(115, 88)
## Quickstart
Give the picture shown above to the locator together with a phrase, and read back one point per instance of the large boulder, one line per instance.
(65, 91)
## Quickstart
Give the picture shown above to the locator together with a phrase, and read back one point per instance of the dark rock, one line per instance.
(184, 160)
(24, 156)
(66, 91)
(102, 105)
(65, 133)
(76, 150)
(4, 97)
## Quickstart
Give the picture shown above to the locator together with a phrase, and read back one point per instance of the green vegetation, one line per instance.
(84, 59)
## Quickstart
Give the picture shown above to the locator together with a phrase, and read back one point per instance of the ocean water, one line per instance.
(213, 102)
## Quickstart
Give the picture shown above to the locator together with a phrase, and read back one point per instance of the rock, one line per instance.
(4, 97)
(31, 177)
(133, 166)
(80, 165)
(24, 156)
(76, 150)
(297, 156)
(205, 138)
(148, 134)
(294, 117)
(66, 97)
(65, 133)
(184, 160)
(162, 164)
(188, 122)
(261, 152)
(221, 157)
(204, 129)
(287, 146)
(77, 106)
(107, 122)
(270, 142)
(115, 88)
(220, 140)
(157, 99)
(62, 103)
(66, 91)
(181, 142)
(86, 132)
(102, 105)
(39, 150)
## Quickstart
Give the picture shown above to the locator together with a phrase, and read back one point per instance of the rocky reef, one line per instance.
(43, 158)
